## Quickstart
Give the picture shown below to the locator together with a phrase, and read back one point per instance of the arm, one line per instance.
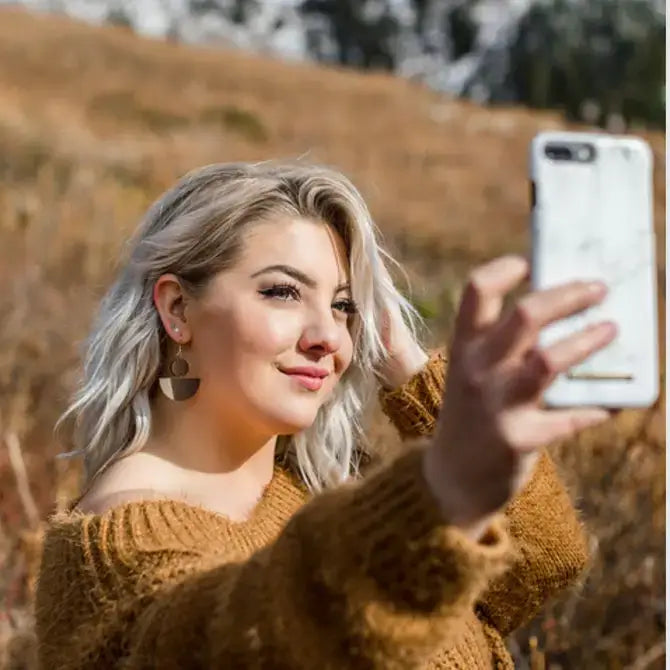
(366, 576)
(551, 551)
(549, 542)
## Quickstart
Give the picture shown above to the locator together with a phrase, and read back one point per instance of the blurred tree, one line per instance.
(363, 31)
(372, 33)
(240, 10)
(595, 60)
(237, 11)
(421, 13)
(453, 21)
(118, 16)
(461, 29)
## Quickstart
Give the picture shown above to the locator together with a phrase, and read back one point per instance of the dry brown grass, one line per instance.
(94, 123)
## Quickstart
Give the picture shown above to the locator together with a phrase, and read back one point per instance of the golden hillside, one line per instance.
(96, 122)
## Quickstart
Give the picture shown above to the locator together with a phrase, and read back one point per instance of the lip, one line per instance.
(319, 373)
(309, 377)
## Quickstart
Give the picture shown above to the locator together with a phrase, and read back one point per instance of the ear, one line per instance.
(170, 300)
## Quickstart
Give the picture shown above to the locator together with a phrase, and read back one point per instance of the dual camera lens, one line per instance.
(569, 151)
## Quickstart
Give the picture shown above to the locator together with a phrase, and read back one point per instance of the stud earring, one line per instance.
(178, 386)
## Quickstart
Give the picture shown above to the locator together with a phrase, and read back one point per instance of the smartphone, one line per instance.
(592, 219)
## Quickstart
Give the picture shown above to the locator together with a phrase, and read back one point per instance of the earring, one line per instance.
(177, 386)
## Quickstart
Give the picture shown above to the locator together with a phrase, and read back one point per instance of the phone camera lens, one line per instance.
(586, 153)
(558, 152)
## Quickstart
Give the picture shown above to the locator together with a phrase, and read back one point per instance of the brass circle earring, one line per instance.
(178, 386)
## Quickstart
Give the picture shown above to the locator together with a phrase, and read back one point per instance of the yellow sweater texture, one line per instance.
(366, 576)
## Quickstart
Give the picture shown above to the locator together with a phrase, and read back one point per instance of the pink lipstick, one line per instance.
(310, 378)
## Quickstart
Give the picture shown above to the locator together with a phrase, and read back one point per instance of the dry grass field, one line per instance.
(95, 123)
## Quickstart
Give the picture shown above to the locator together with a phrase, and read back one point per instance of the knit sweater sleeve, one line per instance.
(365, 576)
(551, 551)
(414, 407)
(549, 541)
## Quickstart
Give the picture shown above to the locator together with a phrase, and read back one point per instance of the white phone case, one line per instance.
(594, 220)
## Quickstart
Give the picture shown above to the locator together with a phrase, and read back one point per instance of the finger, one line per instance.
(534, 428)
(541, 366)
(535, 311)
(385, 330)
(484, 293)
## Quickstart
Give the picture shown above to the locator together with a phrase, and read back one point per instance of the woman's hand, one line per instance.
(405, 356)
(492, 423)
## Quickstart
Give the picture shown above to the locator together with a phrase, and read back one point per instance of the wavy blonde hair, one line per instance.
(196, 230)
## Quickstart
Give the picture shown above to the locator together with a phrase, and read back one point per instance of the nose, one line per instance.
(321, 335)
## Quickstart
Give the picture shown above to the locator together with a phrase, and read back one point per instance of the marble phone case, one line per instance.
(594, 220)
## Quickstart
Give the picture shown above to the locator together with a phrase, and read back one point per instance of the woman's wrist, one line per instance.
(455, 510)
(402, 368)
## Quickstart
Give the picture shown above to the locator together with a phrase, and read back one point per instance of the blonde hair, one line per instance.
(195, 230)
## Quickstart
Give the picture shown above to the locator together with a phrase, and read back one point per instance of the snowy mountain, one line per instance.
(285, 29)
(456, 46)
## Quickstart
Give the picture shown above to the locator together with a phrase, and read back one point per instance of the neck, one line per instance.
(199, 441)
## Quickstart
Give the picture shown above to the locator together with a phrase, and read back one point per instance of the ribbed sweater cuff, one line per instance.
(413, 408)
(403, 543)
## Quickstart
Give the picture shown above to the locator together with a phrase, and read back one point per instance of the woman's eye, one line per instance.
(282, 292)
(346, 306)
(289, 292)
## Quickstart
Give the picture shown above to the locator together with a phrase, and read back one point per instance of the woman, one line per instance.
(224, 523)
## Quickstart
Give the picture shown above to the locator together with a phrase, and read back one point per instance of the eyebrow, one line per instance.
(298, 275)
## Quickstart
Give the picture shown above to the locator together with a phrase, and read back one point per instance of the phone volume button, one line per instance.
(533, 194)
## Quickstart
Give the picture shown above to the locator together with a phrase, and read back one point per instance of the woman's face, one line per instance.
(270, 338)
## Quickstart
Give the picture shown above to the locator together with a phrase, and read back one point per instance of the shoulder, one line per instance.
(99, 502)
(130, 479)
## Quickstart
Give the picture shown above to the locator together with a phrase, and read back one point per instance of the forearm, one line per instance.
(549, 541)
(551, 550)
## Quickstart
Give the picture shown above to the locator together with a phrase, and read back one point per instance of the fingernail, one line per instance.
(610, 328)
(603, 328)
(597, 288)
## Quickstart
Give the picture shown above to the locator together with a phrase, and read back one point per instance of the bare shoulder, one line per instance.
(128, 480)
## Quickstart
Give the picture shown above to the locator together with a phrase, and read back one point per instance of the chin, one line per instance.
(291, 420)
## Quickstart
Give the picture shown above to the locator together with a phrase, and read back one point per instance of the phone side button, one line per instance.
(533, 194)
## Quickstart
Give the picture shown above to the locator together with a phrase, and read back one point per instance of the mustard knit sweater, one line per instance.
(369, 575)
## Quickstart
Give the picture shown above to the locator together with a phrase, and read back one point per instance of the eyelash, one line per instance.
(291, 291)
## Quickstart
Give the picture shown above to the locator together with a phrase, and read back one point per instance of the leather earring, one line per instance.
(178, 386)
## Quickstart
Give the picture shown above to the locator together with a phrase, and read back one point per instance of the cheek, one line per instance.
(268, 333)
(252, 330)
(345, 353)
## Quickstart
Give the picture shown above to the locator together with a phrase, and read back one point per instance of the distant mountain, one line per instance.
(464, 47)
